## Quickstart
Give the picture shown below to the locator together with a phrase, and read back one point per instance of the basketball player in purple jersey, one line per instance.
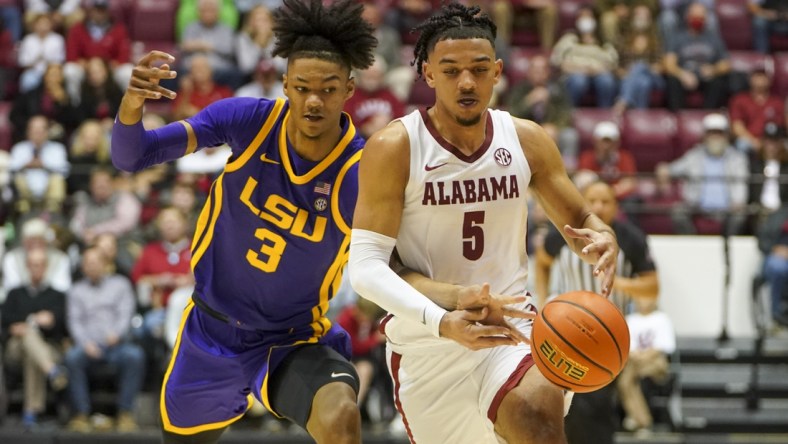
(446, 185)
(271, 241)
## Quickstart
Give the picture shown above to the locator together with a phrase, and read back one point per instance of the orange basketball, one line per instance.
(580, 341)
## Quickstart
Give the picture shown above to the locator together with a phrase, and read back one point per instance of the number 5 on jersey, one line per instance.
(473, 235)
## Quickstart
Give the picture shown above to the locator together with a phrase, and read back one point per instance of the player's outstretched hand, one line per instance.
(499, 307)
(462, 326)
(145, 77)
(602, 250)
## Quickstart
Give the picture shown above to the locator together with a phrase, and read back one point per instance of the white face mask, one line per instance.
(586, 24)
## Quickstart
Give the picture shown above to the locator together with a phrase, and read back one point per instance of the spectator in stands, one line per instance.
(544, 12)
(615, 16)
(404, 15)
(37, 234)
(7, 60)
(104, 209)
(651, 342)
(640, 67)
(613, 164)
(585, 61)
(99, 312)
(255, 42)
(99, 93)
(34, 327)
(198, 89)
(50, 99)
(89, 149)
(389, 41)
(697, 60)
(714, 182)
(541, 99)
(266, 83)
(97, 36)
(163, 267)
(361, 321)
(209, 39)
(189, 12)
(769, 171)
(38, 49)
(373, 105)
(592, 416)
(40, 167)
(769, 17)
(773, 243)
(11, 19)
(751, 111)
(671, 18)
(117, 262)
(64, 13)
(6, 196)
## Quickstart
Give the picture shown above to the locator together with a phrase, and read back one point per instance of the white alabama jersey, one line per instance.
(465, 217)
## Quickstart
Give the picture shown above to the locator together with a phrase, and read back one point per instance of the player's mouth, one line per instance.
(468, 102)
(313, 117)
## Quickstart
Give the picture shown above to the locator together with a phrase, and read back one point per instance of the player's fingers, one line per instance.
(517, 313)
(607, 284)
(476, 300)
(475, 315)
(155, 55)
(148, 94)
(596, 248)
(148, 73)
(150, 86)
(604, 262)
(489, 330)
(578, 233)
(490, 342)
(516, 334)
(509, 300)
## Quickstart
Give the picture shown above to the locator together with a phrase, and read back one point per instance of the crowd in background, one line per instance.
(96, 263)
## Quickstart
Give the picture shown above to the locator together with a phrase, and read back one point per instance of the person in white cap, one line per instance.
(715, 177)
(613, 164)
(36, 233)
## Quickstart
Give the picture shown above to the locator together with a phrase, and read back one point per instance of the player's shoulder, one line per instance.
(393, 139)
(540, 149)
(247, 107)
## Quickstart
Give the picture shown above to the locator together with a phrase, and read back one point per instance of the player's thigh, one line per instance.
(202, 390)
(437, 395)
(301, 375)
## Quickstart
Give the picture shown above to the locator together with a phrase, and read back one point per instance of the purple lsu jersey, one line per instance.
(273, 237)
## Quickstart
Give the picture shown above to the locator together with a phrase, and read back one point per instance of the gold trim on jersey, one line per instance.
(258, 139)
(216, 193)
(320, 167)
(191, 138)
(168, 426)
(202, 220)
(338, 219)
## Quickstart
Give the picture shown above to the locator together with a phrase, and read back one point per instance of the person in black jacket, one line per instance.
(769, 171)
(33, 322)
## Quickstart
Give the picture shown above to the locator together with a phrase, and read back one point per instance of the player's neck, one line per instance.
(468, 139)
(313, 148)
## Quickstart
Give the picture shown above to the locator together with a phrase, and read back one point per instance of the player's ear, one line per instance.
(429, 76)
(350, 87)
(498, 70)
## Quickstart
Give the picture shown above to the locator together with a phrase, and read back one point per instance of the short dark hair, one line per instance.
(337, 33)
(452, 21)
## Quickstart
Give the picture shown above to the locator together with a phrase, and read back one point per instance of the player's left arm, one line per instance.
(586, 234)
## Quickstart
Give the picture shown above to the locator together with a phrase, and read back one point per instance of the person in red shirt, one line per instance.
(198, 90)
(750, 111)
(97, 36)
(162, 267)
(613, 164)
(373, 105)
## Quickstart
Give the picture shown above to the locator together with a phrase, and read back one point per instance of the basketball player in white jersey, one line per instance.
(447, 186)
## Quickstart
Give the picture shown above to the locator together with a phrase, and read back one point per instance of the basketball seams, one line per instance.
(580, 353)
(592, 314)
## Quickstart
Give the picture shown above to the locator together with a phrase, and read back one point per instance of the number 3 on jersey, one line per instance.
(473, 235)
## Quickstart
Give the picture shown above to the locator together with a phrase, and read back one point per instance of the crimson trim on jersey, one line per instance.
(488, 137)
(395, 362)
(514, 379)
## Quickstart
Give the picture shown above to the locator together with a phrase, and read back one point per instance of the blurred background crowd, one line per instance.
(679, 105)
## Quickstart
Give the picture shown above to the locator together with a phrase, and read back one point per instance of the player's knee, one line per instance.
(535, 416)
(339, 424)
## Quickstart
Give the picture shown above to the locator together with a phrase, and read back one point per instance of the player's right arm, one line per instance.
(383, 175)
(544, 263)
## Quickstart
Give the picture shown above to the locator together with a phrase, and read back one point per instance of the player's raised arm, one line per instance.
(585, 233)
(144, 84)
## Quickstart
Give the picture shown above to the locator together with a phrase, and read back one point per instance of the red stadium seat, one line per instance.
(421, 94)
(749, 61)
(778, 43)
(153, 20)
(5, 126)
(650, 135)
(735, 24)
(781, 74)
(689, 129)
(585, 119)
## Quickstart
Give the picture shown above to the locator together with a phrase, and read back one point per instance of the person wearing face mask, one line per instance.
(751, 111)
(697, 60)
(586, 62)
(615, 16)
(640, 68)
(670, 18)
(714, 178)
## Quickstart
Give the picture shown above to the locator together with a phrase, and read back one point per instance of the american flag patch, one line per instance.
(323, 188)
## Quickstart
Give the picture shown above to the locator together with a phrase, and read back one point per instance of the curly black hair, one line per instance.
(452, 21)
(337, 33)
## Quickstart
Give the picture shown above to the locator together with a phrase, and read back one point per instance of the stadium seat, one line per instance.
(585, 119)
(5, 126)
(153, 20)
(523, 28)
(749, 61)
(781, 73)
(689, 129)
(120, 10)
(650, 135)
(735, 24)
(778, 43)
(421, 94)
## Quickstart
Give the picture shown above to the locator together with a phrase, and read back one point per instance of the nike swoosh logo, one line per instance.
(337, 375)
(434, 167)
(265, 159)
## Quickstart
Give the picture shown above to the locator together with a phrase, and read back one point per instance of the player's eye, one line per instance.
(450, 72)
(301, 89)
(329, 90)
